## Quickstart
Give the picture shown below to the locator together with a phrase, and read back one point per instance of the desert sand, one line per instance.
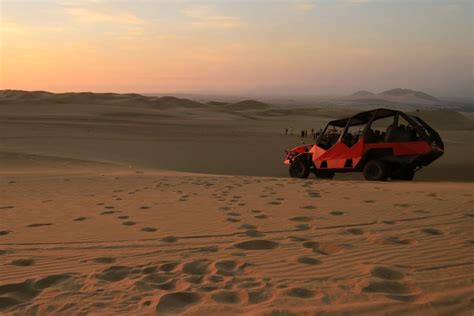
(117, 209)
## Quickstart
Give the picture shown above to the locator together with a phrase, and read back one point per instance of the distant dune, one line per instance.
(446, 120)
(397, 95)
(407, 92)
(217, 103)
(43, 97)
(362, 93)
(248, 105)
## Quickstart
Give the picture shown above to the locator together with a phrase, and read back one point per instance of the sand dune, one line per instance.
(112, 206)
(146, 242)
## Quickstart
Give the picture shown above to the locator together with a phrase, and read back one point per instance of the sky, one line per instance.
(281, 47)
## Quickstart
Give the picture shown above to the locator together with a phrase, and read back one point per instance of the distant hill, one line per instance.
(20, 96)
(248, 105)
(398, 92)
(217, 103)
(362, 93)
(397, 95)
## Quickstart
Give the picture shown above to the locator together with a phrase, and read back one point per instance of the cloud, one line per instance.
(206, 17)
(358, 1)
(78, 2)
(303, 5)
(13, 28)
(92, 16)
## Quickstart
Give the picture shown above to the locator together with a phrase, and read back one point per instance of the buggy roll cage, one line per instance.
(368, 117)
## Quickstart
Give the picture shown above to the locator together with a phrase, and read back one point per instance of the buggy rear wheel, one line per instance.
(299, 169)
(376, 170)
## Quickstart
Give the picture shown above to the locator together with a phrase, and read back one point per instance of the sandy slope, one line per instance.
(193, 140)
(78, 236)
(117, 241)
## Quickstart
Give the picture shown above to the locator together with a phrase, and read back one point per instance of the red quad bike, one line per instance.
(382, 143)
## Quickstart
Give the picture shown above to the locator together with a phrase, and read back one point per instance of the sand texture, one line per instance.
(146, 242)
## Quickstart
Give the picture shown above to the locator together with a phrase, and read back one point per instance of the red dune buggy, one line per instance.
(382, 143)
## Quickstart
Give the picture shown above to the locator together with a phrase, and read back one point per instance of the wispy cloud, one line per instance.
(10, 27)
(358, 1)
(303, 5)
(207, 17)
(93, 16)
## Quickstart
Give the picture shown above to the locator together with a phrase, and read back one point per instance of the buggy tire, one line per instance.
(376, 170)
(299, 169)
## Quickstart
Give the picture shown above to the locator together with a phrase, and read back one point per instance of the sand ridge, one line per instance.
(147, 242)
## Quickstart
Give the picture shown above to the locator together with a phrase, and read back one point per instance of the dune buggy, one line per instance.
(381, 143)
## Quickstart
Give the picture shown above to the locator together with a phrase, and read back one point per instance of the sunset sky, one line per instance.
(281, 47)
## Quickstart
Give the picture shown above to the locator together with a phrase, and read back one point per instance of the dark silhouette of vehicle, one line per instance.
(381, 143)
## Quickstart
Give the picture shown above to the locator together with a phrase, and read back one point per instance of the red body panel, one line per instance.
(336, 156)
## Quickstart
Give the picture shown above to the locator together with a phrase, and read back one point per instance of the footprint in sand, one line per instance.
(5, 232)
(259, 244)
(177, 303)
(302, 227)
(337, 213)
(233, 214)
(80, 219)
(233, 220)
(300, 292)
(123, 217)
(308, 260)
(21, 293)
(169, 266)
(385, 273)
(260, 296)
(109, 212)
(169, 239)
(248, 226)
(301, 219)
(197, 267)
(6, 207)
(389, 283)
(432, 231)
(402, 205)
(254, 233)
(148, 229)
(157, 281)
(104, 260)
(261, 216)
(226, 297)
(114, 273)
(355, 231)
(129, 223)
(40, 224)
(22, 262)
(400, 241)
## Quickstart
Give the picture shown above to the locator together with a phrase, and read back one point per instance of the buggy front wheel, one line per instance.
(299, 169)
